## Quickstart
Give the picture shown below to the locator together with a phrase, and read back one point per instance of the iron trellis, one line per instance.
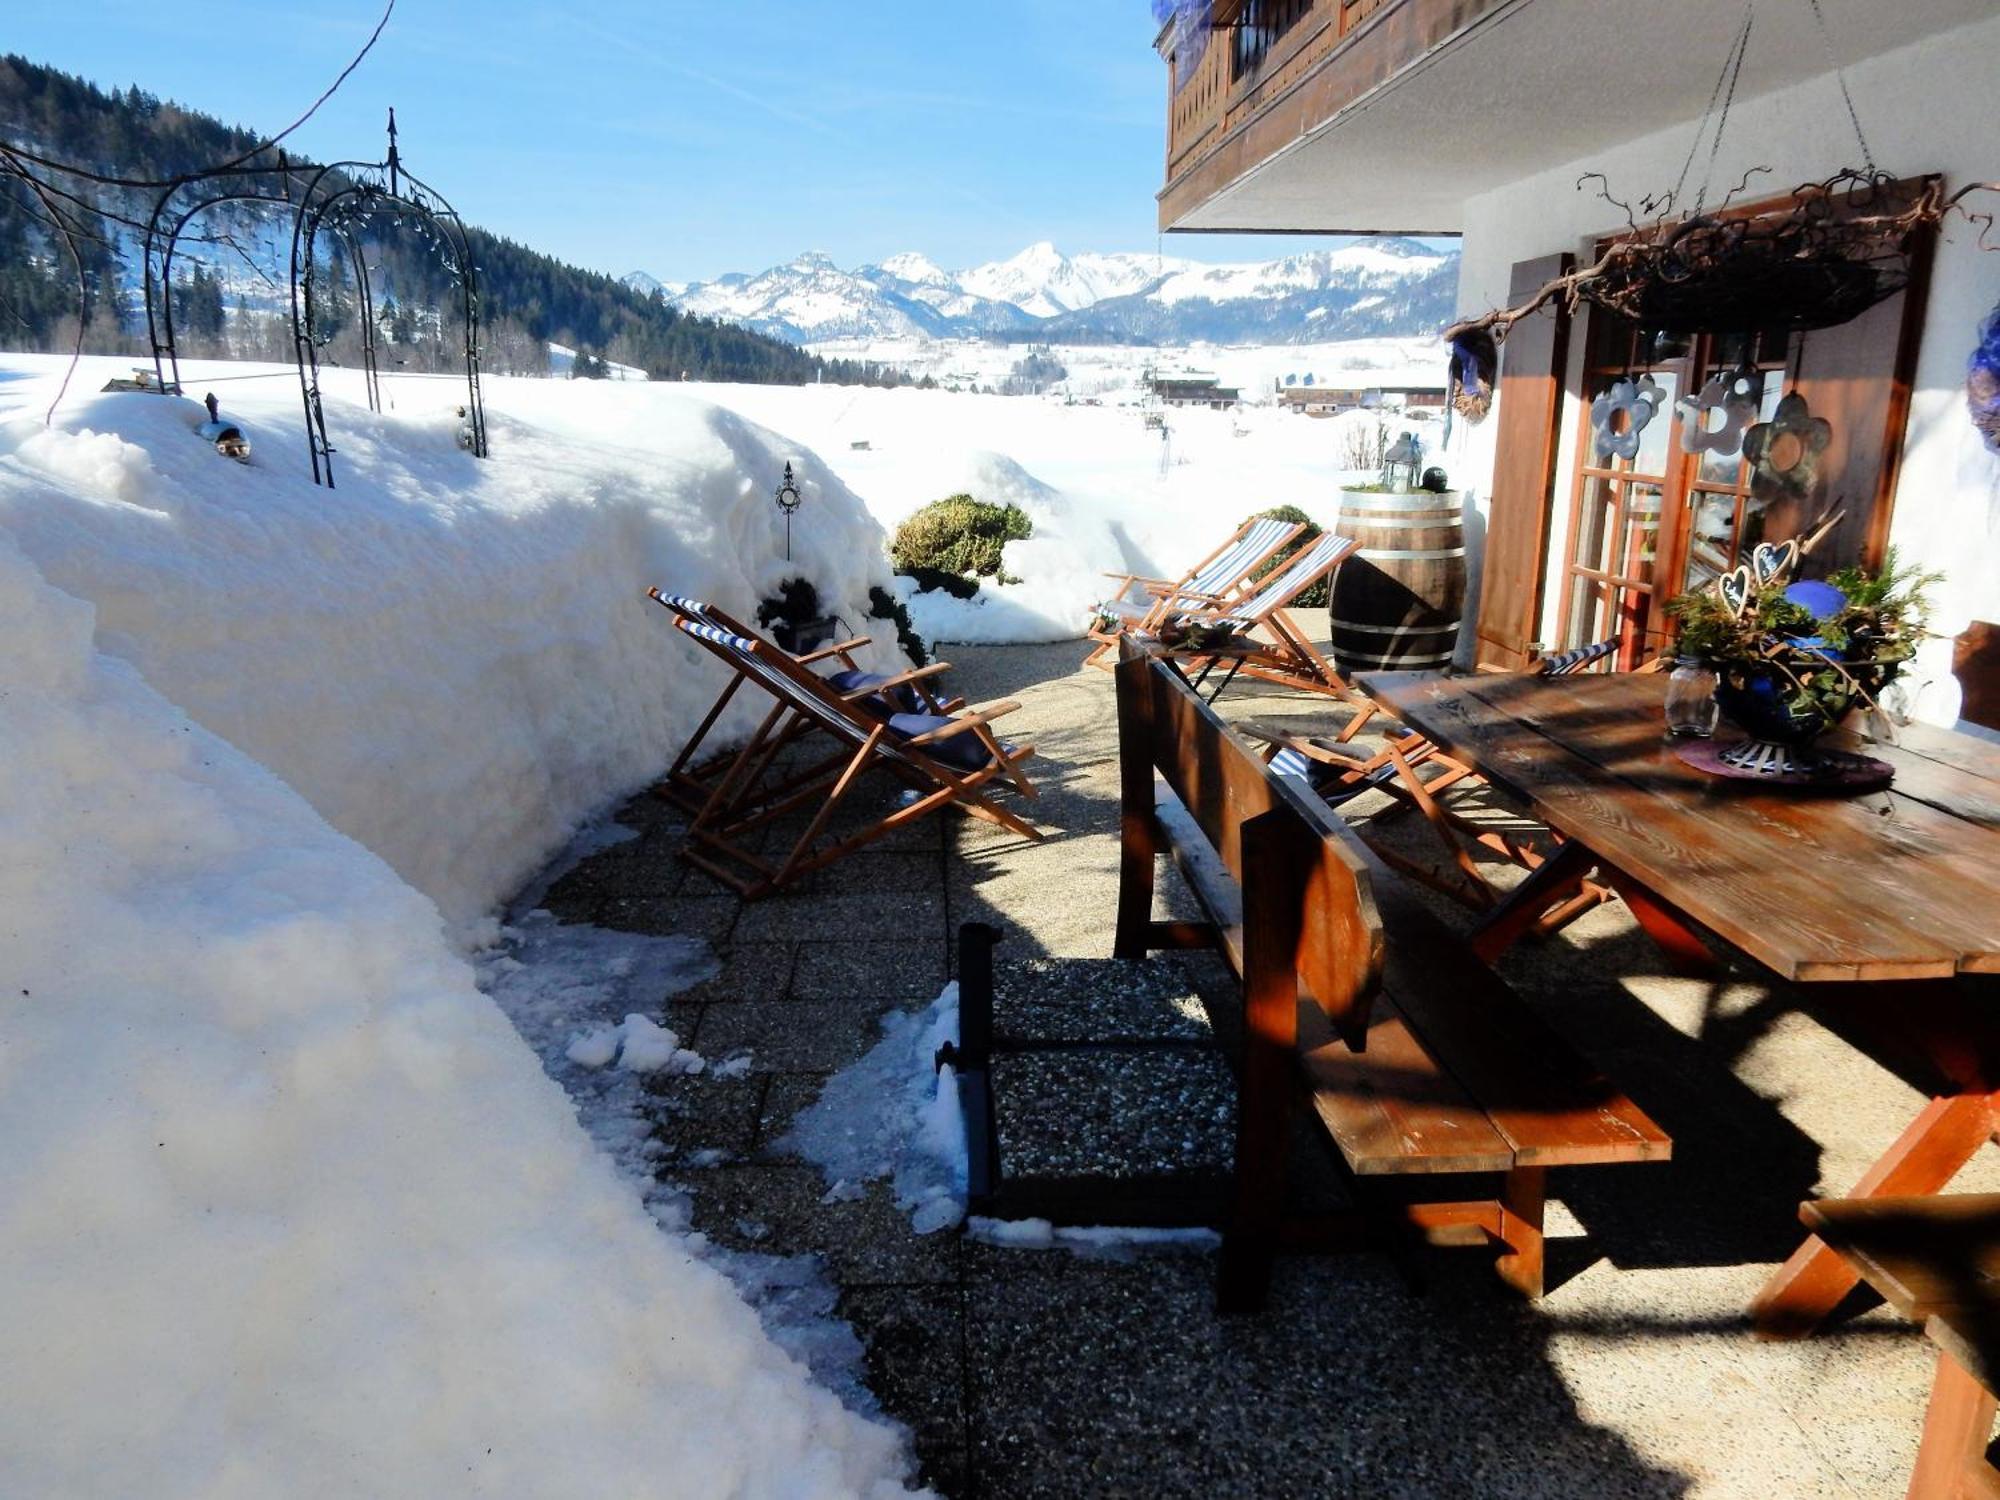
(341, 199)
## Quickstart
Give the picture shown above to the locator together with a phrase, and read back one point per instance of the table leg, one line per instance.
(1554, 879)
(1684, 952)
(1957, 1427)
(1925, 1157)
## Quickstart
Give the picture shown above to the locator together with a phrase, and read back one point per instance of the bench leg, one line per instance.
(1523, 1192)
(1928, 1155)
(1957, 1427)
(1554, 880)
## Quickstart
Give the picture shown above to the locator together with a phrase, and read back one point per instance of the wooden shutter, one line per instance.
(1532, 366)
(1858, 376)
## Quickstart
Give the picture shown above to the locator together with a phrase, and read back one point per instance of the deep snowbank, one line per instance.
(451, 659)
(290, 1207)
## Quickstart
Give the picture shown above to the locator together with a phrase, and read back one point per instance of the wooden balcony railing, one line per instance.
(1342, 48)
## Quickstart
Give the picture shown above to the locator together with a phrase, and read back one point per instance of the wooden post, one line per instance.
(1275, 867)
(1138, 831)
(1957, 1427)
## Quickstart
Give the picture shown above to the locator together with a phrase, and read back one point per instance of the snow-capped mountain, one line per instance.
(1370, 287)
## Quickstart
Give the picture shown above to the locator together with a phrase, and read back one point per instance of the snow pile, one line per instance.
(895, 1114)
(451, 658)
(639, 1043)
(289, 1206)
(1057, 570)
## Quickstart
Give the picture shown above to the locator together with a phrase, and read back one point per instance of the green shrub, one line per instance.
(958, 535)
(1320, 594)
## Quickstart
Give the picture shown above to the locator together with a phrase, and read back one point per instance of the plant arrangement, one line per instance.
(1793, 657)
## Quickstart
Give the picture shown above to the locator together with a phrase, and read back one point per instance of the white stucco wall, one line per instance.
(1927, 108)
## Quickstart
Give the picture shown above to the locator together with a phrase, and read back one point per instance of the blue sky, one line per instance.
(689, 139)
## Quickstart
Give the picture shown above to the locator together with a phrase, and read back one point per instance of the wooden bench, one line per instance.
(1419, 1062)
(1936, 1260)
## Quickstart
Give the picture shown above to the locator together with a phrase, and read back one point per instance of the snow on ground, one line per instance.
(452, 659)
(894, 1114)
(290, 1206)
(1104, 492)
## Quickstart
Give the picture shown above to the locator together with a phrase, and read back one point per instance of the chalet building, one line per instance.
(1479, 117)
(1193, 390)
(1330, 397)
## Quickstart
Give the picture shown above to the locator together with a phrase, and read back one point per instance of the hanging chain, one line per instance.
(1840, 77)
(1732, 57)
(1735, 71)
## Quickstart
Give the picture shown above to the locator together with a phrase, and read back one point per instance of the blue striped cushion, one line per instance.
(1563, 664)
(718, 635)
(1290, 762)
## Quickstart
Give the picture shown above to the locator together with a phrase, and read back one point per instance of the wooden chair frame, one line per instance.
(691, 776)
(1289, 657)
(1223, 575)
(739, 802)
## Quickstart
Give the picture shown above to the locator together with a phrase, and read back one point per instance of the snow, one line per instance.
(451, 658)
(1103, 493)
(290, 1206)
(894, 1114)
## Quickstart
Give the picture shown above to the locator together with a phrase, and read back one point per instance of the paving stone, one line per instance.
(782, 1208)
(784, 1097)
(1074, 999)
(697, 1112)
(915, 1342)
(749, 971)
(793, 1035)
(913, 971)
(1114, 1112)
(707, 917)
(853, 914)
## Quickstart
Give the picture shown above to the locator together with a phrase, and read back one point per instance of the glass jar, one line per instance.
(1691, 710)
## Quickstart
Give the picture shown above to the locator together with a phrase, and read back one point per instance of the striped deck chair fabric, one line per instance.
(1298, 575)
(1209, 585)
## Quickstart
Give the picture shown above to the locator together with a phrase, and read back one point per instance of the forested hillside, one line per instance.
(230, 281)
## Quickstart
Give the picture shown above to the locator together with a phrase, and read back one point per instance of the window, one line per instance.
(1263, 22)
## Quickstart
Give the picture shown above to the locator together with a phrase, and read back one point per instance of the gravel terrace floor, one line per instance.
(1047, 1372)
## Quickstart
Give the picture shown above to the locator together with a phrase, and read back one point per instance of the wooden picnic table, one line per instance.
(1886, 903)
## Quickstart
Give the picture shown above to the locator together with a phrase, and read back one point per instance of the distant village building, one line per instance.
(1193, 390)
(1329, 396)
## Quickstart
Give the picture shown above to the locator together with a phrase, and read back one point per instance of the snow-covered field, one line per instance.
(1114, 373)
(1105, 492)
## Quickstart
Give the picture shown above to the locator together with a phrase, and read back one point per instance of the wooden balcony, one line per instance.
(1232, 115)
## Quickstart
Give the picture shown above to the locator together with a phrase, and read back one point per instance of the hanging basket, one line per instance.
(1835, 250)
(1840, 248)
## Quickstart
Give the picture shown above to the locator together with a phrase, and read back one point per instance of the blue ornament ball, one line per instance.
(1820, 600)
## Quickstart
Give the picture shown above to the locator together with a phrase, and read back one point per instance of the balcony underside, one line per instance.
(1435, 101)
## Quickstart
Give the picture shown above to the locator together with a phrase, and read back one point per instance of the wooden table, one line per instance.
(1888, 903)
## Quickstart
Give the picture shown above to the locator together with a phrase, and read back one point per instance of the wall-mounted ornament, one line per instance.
(1475, 366)
(1622, 413)
(1982, 382)
(1784, 453)
(1716, 419)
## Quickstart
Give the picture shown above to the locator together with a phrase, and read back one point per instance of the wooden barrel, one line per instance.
(1398, 597)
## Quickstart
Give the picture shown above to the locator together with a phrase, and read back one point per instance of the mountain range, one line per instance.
(1373, 287)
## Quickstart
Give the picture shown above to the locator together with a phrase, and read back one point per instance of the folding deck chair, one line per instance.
(1224, 574)
(1289, 656)
(946, 760)
(689, 779)
(1339, 772)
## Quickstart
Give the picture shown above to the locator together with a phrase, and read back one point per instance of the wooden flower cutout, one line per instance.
(1714, 422)
(1620, 415)
(1784, 452)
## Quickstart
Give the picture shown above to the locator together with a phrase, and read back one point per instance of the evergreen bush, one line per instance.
(958, 535)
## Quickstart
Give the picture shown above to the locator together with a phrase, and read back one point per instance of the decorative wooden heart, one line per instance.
(1735, 589)
(1770, 561)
